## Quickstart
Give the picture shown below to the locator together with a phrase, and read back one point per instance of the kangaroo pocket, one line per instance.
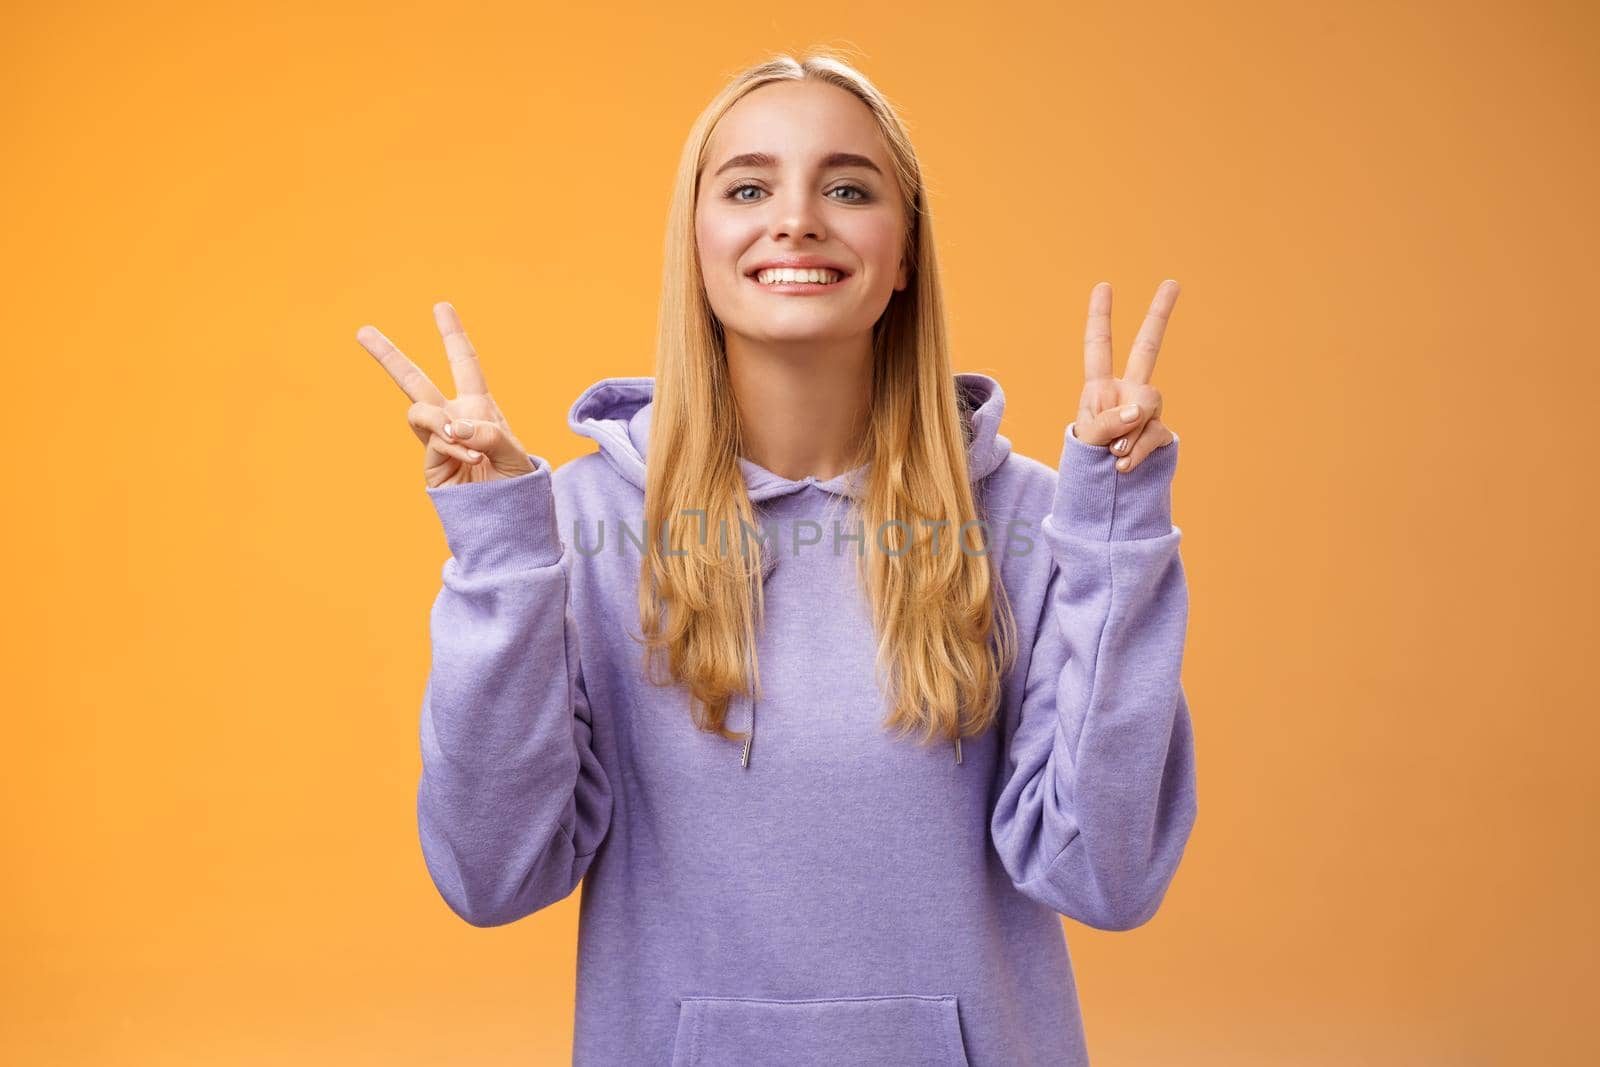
(890, 1030)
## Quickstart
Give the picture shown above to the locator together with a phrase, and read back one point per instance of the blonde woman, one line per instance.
(835, 701)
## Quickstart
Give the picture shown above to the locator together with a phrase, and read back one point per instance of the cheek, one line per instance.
(877, 241)
(719, 248)
(718, 240)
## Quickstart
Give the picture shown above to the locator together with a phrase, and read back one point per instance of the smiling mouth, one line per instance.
(788, 279)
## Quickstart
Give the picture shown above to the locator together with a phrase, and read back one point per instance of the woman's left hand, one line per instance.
(1123, 413)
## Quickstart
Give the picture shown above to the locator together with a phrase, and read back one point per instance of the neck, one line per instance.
(803, 406)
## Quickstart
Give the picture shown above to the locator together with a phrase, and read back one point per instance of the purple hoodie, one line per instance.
(824, 894)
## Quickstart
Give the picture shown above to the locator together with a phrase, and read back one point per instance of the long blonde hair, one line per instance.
(946, 635)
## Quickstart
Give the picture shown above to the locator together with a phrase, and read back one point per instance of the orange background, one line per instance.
(1382, 365)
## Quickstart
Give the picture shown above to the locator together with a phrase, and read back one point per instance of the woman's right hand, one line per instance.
(467, 438)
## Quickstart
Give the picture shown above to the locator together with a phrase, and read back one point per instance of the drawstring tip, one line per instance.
(744, 760)
(958, 750)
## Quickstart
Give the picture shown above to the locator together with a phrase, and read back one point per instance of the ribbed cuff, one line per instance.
(1097, 502)
(508, 523)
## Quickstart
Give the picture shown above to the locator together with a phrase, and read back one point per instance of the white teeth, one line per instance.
(773, 275)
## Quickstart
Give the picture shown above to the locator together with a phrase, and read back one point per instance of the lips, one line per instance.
(798, 288)
(797, 263)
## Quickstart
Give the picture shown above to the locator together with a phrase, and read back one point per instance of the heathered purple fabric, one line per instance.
(846, 897)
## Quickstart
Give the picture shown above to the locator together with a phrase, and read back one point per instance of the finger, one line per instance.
(463, 359)
(1105, 427)
(426, 420)
(1112, 424)
(406, 374)
(1142, 361)
(1124, 445)
(488, 438)
(440, 447)
(1155, 436)
(1097, 334)
(433, 424)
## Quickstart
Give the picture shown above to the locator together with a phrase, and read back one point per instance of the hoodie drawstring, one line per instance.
(744, 761)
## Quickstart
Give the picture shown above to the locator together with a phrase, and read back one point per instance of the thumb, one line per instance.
(497, 443)
(1110, 424)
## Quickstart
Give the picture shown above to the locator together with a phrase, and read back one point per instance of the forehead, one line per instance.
(797, 120)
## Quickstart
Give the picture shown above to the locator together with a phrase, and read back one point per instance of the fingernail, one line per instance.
(1121, 445)
(449, 434)
(1122, 464)
(463, 427)
(474, 456)
(1130, 413)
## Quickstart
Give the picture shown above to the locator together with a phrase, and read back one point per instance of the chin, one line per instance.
(802, 327)
(778, 333)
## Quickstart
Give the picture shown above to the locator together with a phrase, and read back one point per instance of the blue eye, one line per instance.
(862, 196)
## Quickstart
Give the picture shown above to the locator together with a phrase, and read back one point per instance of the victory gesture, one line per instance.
(467, 438)
(1123, 413)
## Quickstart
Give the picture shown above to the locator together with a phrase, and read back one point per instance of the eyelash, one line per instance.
(865, 197)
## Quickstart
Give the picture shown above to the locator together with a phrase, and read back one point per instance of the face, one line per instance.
(799, 169)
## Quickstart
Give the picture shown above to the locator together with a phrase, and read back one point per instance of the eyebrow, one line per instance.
(832, 159)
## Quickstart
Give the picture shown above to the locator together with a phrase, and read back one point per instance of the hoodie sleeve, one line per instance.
(512, 803)
(1098, 794)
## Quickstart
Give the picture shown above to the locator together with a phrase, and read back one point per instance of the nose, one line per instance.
(795, 214)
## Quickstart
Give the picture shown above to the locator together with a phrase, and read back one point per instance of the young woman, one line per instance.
(965, 662)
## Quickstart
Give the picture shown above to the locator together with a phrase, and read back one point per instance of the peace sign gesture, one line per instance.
(467, 438)
(1123, 412)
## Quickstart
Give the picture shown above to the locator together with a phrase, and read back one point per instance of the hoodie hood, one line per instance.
(616, 413)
